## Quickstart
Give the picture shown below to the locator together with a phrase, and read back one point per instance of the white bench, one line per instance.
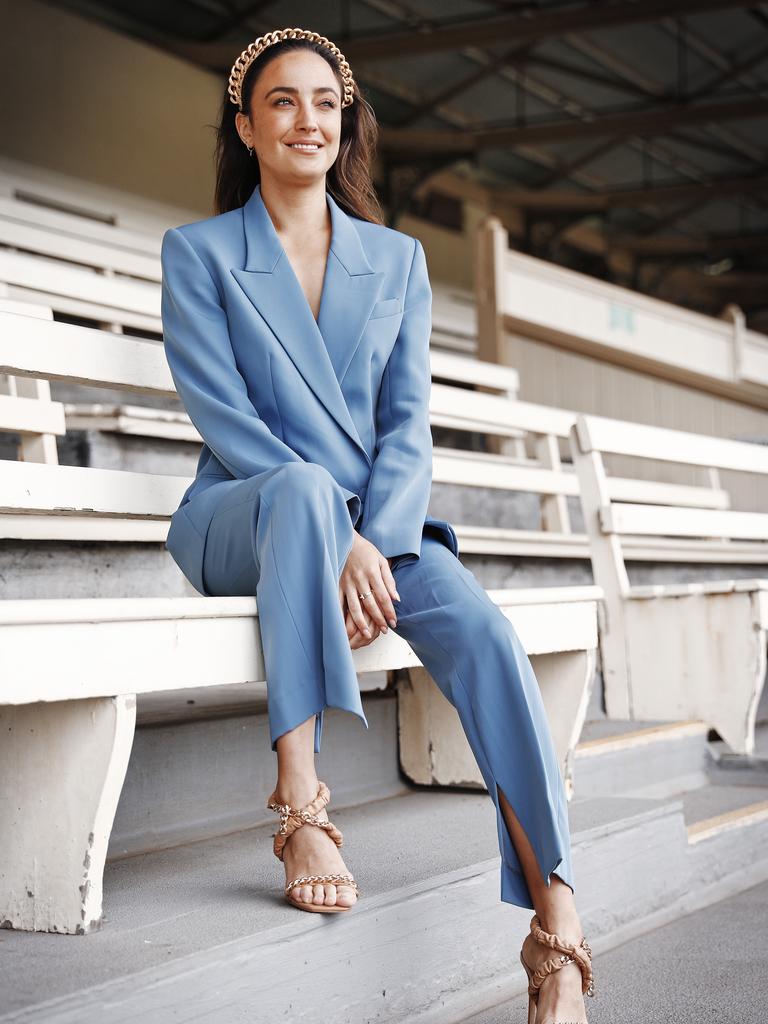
(676, 650)
(69, 353)
(72, 668)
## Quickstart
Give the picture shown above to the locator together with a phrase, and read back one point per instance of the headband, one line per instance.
(258, 46)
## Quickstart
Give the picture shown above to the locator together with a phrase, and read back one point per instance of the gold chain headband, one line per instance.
(252, 51)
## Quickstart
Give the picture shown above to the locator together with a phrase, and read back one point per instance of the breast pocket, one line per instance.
(385, 307)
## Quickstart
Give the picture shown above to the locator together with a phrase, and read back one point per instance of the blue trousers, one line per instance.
(284, 536)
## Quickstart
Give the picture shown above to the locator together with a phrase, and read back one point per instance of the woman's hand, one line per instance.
(366, 569)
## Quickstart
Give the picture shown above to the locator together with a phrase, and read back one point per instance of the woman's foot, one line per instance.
(560, 995)
(310, 851)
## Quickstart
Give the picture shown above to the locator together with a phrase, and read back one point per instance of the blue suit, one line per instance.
(315, 429)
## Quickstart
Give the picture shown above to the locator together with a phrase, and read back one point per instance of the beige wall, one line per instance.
(103, 107)
(106, 108)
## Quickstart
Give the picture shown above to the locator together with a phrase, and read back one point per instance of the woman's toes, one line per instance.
(318, 895)
(330, 894)
(345, 896)
(305, 893)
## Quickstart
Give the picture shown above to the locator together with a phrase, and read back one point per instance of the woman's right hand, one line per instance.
(366, 569)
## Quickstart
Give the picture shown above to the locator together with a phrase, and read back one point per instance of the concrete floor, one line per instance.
(711, 965)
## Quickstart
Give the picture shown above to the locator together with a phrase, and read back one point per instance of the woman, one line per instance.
(296, 326)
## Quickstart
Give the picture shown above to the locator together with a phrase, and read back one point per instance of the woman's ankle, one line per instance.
(296, 788)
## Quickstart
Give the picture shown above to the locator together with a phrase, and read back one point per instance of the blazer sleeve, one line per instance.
(203, 367)
(400, 482)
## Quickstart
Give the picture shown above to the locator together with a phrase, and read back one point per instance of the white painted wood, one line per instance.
(683, 522)
(505, 379)
(562, 306)
(710, 660)
(172, 643)
(70, 526)
(81, 355)
(52, 278)
(32, 487)
(86, 206)
(63, 765)
(137, 420)
(31, 415)
(81, 250)
(492, 540)
(434, 749)
(688, 650)
(610, 573)
(660, 443)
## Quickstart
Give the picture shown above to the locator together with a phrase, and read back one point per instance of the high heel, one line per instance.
(292, 818)
(570, 953)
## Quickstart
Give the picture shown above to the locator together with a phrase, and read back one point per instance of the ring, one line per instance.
(363, 596)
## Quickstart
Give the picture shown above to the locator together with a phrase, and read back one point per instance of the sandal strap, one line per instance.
(580, 954)
(312, 879)
(292, 818)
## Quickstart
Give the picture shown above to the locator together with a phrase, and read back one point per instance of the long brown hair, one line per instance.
(349, 180)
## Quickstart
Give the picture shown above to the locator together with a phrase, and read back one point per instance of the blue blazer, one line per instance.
(265, 383)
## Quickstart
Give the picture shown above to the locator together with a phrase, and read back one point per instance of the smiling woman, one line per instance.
(296, 91)
(297, 330)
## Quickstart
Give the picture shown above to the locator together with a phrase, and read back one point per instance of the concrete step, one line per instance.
(650, 759)
(201, 931)
(201, 761)
(202, 764)
(636, 983)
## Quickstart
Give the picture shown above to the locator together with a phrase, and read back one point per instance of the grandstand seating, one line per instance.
(72, 668)
(678, 650)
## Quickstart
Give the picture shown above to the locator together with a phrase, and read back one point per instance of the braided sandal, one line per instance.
(581, 955)
(290, 820)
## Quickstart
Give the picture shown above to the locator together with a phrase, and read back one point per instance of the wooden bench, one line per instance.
(72, 668)
(68, 353)
(676, 650)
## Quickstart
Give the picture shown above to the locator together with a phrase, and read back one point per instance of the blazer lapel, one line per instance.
(350, 290)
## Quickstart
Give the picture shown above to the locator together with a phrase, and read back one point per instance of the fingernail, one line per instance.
(384, 629)
(393, 623)
(397, 595)
(367, 632)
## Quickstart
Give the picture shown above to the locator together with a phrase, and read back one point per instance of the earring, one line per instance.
(250, 150)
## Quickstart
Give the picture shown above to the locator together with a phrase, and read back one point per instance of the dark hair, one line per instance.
(349, 180)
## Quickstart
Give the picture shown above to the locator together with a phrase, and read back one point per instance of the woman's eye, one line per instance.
(289, 100)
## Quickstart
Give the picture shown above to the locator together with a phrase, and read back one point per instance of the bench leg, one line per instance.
(699, 656)
(434, 749)
(63, 765)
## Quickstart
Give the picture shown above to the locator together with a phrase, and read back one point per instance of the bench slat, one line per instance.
(58, 649)
(596, 433)
(30, 415)
(78, 250)
(34, 487)
(683, 522)
(80, 355)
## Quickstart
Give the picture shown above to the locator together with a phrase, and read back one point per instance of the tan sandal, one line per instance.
(581, 955)
(290, 820)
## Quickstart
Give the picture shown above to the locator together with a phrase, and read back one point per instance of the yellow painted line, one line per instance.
(738, 818)
(641, 738)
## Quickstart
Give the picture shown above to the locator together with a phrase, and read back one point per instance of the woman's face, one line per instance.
(297, 98)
